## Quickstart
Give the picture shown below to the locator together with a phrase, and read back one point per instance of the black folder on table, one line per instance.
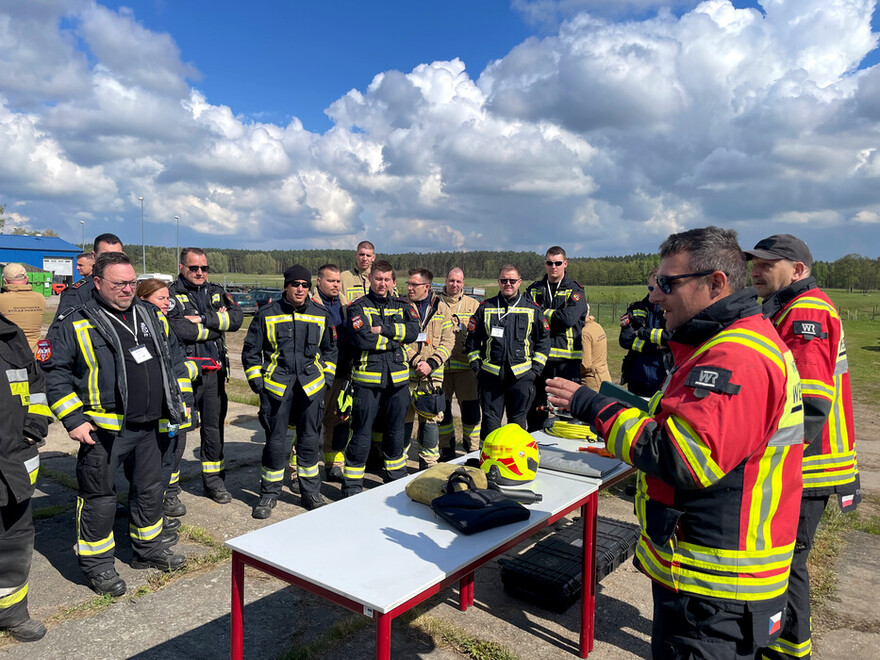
(577, 462)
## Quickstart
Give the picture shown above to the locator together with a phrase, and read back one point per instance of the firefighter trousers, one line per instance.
(140, 447)
(16, 549)
(567, 369)
(462, 384)
(334, 431)
(504, 394)
(294, 409)
(171, 460)
(688, 627)
(210, 396)
(389, 403)
(796, 640)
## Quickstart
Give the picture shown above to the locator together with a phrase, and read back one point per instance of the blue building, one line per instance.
(46, 252)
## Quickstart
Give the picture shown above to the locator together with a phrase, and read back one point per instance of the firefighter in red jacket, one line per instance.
(719, 457)
(810, 326)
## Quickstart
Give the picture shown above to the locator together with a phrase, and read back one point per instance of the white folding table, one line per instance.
(380, 553)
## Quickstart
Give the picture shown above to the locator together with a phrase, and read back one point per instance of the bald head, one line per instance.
(454, 282)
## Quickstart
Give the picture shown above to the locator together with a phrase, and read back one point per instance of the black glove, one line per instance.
(256, 385)
(476, 365)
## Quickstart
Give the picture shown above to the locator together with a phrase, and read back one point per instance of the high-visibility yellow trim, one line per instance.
(792, 649)
(697, 454)
(14, 597)
(222, 321)
(392, 464)
(212, 467)
(352, 472)
(817, 389)
(66, 405)
(84, 339)
(32, 465)
(271, 476)
(147, 533)
(254, 372)
(638, 345)
(102, 419)
(307, 471)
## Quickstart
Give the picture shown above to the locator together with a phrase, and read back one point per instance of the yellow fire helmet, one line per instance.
(510, 456)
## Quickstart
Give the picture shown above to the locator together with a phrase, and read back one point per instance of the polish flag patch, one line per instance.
(847, 500)
(775, 623)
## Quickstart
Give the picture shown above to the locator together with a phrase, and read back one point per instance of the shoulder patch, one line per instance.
(333, 331)
(472, 324)
(44, 350)
(357, 322)
(809, 330)
(78, 283)
(413, 313)
(230, 301)
(576, 296)
(706, 378)
(624, 320)
(546, 325)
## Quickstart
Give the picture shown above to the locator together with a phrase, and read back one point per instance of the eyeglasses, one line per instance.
(115, 286)
(413, 285)
(664, 282)
(508, 280)
(195, 269)
(554, 263)
(299, 284)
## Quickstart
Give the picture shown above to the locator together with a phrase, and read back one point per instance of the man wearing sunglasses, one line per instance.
(564, 304)
(201, 314)
(289, 356)
(719, 457)
(810, 325)
(507, 346)
(644, 336)
(117, 384)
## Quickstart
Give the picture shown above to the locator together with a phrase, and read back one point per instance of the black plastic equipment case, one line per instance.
(549, 573)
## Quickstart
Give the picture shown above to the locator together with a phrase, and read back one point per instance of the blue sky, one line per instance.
(601, 126)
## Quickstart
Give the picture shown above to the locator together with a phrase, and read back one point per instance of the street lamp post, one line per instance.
(177, 218)
(83, 227)
(143, 238)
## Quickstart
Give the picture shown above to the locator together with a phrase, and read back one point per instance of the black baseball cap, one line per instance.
(782, 246)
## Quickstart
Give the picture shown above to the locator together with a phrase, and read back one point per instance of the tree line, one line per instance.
(853, 272)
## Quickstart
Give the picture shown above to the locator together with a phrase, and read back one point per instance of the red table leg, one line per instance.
(588, 579)
(383, 637)
(466, 592)
(237, 646)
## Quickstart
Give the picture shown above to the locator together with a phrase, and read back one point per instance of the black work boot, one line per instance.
(107, 583)
(173, 507)
(29, 630)
(264, 508)
(310, 501)
(165, 560)
(220, 495)
(170, 524)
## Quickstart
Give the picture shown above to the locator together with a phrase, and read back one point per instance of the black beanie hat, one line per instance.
(297, 273)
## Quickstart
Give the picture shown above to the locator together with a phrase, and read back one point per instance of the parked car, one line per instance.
(265, 296)
(245, 301)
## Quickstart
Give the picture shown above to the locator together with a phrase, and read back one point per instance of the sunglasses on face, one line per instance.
(299, 284)
(664, 282)
(195, 269)
(508, 281)
(554, 263)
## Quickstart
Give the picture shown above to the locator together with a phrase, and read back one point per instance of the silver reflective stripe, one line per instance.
(841, 368)
(16, 375)
(32, 463)
(790, 435)
(7, 591)
(39, 398)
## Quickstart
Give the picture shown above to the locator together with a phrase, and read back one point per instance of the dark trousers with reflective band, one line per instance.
(389, 404)
(568, 369)
(171, 459)
(505, 393)
(16, 550)
(210, 395)
(140, 447)
(688, 627)
(795, 640)
(463, 385)
(428, 436)
(334, 432)
(304, 414)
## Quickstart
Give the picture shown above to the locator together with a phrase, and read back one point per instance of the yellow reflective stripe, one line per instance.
(275, 388)
(809, 302)
(399, 331)
(638, 345)
(16, 595)
(253, 372)
(182, 297)
(826, 461)
(314, 386)
(91, 548)
(523, 367)
(657, 336)
(766, 494)
(105, 420)
(624, 432)
(39, 408)
(395, 463)
(175, 477)
(203, 333)
(32, 465)
(697, 454)
(734, 561)
(145, 533)
(84, 340)
(443, 352)
(185, 384)
(272, 323)
(817, 389)
(329, 368)
(66, 405)
(307, 472)
(748, 338)
(212, 467)
(792, 649)
(399, 377)
(333, 457)
(493, 369)
(271, 475)
(565, 354)
(222, 321)
(192, 370)
(352, 472)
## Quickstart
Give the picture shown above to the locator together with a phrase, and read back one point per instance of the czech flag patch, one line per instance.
(775, 623)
